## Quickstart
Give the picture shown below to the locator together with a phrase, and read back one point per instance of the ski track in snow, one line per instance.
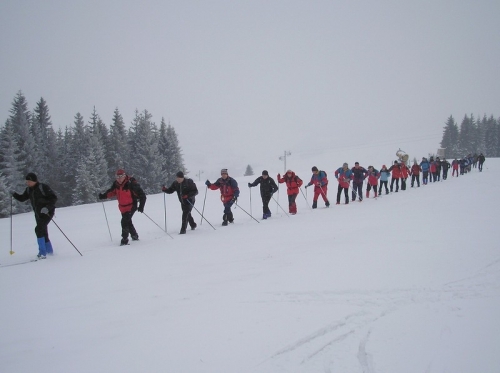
(358, 325)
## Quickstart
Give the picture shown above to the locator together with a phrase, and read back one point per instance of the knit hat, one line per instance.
(265, 172)
(314, 168)
(180, 174)
(223, 171)
(120, 171)
(355, 163)
(345, 165)
(31, 177)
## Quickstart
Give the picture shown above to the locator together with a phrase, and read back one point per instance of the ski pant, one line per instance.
(434, 177)
(127, 225)
(228, 214)
(395, 179)
(425, 177)
(383, 183)
(186, 215)
(357, 189)
(453, 173)
(415, 178)
(445, 174)
(369, 187)
(320, 191)
(403, 183)
(346, 193)
(292, 207)
(481, 166)
(265, 204)
(42, 233)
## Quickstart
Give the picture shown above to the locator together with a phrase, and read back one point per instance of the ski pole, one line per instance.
(109, 230)
(203, 210)
(280, 207)
(250, 200)
(156, 224)
(202, 217)
(236, 204)
(165, 208)
(66, 237)
(11, 252)
(277, 202)
(307, 203)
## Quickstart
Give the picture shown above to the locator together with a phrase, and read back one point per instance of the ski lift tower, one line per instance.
(283, 158)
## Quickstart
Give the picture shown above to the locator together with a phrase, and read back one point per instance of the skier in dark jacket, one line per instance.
(229, 193)
(267, 188)
(186, 191)
(43, 201)
(445, 166)
(359, 173)
(481, 160)
(129, 193)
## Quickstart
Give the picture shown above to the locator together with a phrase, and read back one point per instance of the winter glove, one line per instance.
(163, 188)
(305, 186)
(279, 176)
(249, 185)
(103, 196)
(208, 183)
(44, 211)
(141, 208)
(185, 196)
(234, 199)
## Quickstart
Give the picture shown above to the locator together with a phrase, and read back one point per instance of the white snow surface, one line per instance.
(408, 282)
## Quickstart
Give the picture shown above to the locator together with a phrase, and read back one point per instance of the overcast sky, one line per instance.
(243, 81)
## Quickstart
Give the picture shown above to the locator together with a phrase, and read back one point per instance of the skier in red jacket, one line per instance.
(293, 183)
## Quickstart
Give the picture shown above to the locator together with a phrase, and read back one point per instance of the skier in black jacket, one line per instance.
(267, 188)
(43, 201)
(186, 191)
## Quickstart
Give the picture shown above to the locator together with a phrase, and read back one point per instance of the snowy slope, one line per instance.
(409, 282)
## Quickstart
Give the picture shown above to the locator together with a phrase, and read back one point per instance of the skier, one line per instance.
(445, 166)
(43, 201)
(373, 176)
(129, 193)
(425, 166)
(267, 188)
(455, 164)
(481, 160)
(320, 182)
(293, 183)
(396, 175)
(405, 172)
(229, 194)
(432, 170)
(359, 174)
(344, 176)
(384, 178)
(415, 174)
(438, 169)
(186, 191)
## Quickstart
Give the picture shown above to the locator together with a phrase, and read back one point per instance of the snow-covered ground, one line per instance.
(409, 282)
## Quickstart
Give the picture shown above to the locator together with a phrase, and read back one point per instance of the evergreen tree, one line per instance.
(62, 184)
(20, 120)
(249, 171)
(450, 138)
(172, 154)
(118, 150)
(46, 140)
(5, 197)
(467, 139)
(491, 138)
(145, 163)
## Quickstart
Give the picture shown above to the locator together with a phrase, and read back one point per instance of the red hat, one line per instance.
(120, 172)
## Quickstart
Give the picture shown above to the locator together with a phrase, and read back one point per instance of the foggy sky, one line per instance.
(243, 81)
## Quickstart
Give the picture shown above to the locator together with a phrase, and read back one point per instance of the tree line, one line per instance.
(474, 136)
(80, 160)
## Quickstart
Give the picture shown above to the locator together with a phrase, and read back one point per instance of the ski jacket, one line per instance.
(384, 174)
(228, 188)
(40, 196)
(128, 194)
(396, 171)
(373, 177)
(455, 164)
(293, 183)
(267, 186)
(433, 167)
(416, 169)
(359, 174)
(405, 172)
(445, 165)
(481, 158)
(186, 190)
(319, 181)
(425, 165)
(344, 177)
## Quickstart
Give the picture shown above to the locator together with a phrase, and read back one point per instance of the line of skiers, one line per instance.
(131, 197)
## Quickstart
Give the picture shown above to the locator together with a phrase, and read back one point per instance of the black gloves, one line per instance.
(234, 199)
(163, 188)
(103, 196)
(208, 183)
(249, 185)
(141, 208)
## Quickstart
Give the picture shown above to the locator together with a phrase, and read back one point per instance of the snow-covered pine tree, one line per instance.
(145, 162)
(118, 148)
(248, 171)
(170, 152)
(46, 140)
(450, 138)
(467, 139)
(5, 197)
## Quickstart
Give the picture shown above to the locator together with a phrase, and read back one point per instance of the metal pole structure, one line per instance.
(199, 174)
(283, 158)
